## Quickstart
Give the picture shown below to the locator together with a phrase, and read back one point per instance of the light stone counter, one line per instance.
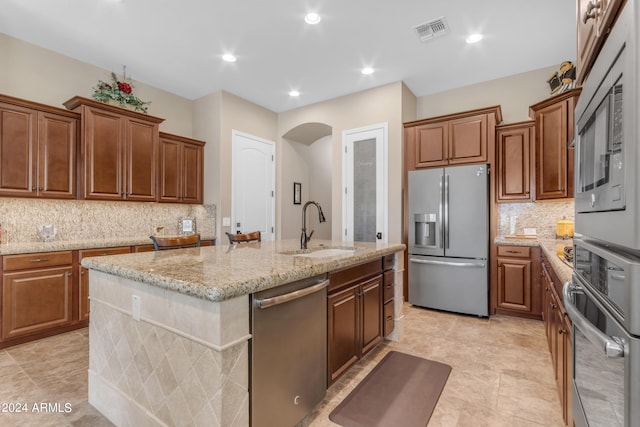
(218, 273)
(69, 245)
(169, 331)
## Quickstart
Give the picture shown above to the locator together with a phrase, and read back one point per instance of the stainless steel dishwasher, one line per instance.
(288, 352)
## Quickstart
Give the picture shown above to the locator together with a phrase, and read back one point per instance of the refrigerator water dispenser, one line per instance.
(425, 229)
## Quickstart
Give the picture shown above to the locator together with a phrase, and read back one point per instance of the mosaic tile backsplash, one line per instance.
(87, 220)
(543, 216)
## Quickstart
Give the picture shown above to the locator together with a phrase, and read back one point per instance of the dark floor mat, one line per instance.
(402, 390)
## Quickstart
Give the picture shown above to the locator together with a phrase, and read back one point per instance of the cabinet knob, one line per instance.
(552, 305)
(68, 274)
(40, 188)
(561, 331)
(33, 188)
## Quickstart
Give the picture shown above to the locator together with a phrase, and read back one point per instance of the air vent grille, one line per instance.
(431, 29)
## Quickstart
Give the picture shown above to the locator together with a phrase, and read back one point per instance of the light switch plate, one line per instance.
(226, 221)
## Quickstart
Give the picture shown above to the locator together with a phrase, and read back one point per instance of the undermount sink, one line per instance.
(320, 252)
(327, 253)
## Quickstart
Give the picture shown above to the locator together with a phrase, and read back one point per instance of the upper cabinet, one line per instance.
(181, 169)
(119, 152)
(461, 138)
(37, 150)
(594, 18)
(554, 124)
(515, 160)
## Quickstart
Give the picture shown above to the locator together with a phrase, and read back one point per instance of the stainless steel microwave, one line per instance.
(607, 155)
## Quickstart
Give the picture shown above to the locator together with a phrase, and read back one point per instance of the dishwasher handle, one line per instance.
(281, 299)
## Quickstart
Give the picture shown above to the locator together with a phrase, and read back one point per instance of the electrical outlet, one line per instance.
(135, 307)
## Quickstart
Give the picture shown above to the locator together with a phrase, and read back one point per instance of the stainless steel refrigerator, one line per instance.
(449, 238)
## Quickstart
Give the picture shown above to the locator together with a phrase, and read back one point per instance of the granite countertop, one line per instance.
(549, 246)
(69, 245)
(218, 273)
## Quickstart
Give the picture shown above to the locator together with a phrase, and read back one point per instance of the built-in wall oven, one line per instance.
(606, 336)
(607, 187)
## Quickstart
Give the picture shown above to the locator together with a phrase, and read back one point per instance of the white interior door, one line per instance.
(253, 176)
(364, 174)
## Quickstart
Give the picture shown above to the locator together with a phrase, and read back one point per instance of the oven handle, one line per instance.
(611, 345)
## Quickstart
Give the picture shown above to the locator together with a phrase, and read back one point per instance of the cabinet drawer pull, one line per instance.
(512, 252)
(389, 317)
(40, 259)
(389, 286)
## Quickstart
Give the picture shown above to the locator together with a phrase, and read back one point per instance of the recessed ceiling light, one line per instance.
(312, 18)
(229, 57)
(294, 93)
(474, 38)
(367, 71)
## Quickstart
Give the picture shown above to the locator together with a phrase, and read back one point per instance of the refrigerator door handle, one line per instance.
(440, 213)
(448, 263)
(446, 212)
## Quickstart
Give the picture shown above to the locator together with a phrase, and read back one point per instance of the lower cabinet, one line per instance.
(354, 315)
(559, 337)
(83, 274)
(37, 293)
(518, 286)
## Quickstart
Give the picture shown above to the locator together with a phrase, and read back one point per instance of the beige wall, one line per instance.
(378, 105)
(36, 74)
(311, 166)
(514, 94)
(215, 117)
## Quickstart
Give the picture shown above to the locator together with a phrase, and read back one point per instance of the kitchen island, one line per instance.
(169, 331)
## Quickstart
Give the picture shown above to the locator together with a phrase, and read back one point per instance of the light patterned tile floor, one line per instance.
(502, 375)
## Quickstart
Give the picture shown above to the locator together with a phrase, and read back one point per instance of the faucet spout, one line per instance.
(304, 238)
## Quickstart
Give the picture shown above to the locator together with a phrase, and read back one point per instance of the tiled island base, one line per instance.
(168, 368)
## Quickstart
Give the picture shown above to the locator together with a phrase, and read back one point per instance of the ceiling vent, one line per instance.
(431, 29)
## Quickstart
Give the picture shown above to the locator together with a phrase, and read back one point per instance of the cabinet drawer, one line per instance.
(514, 251)
(388, 318)
(104, 251)
(351, 275)
(388, 286)
(37, 260)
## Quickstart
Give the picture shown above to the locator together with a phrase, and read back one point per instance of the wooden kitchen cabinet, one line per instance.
(518, 287)
(515, 156)
(354, 315)
(462, 138)
(38, 147)
(594, 20)
(559, 337)
(181, 169)
(119, 152)
(554, 159)
(388, 281)
(37, 293)
(83, 274)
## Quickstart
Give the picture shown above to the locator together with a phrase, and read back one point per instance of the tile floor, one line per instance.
(502, 374)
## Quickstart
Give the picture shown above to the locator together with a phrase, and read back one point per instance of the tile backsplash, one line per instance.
(88, 220)
(540, 215)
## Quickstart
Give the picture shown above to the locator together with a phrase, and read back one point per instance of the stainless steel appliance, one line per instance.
(449, 239)
(288, 352)
(603, 299)
(606, 335)
(606, 367)
(607, 189)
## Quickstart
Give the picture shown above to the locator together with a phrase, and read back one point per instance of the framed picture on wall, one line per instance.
(297, 193)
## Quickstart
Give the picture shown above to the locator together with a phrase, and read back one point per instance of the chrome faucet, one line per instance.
(304, 238)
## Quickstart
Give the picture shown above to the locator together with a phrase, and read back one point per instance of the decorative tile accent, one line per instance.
(178, 381)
